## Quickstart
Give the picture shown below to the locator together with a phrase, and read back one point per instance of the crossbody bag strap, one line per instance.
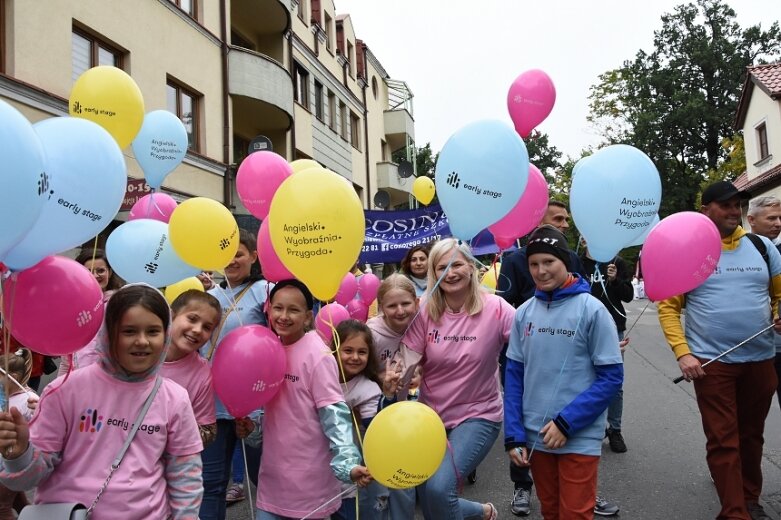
(126, 445)
(216, 333)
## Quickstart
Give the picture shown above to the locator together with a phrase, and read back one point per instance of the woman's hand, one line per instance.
(552, 436)
(361, 476)
(14, 434)
(519, 456)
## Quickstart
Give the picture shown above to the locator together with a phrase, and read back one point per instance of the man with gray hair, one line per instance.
(764, 216)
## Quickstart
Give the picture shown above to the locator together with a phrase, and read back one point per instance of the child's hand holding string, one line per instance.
(361, 476)
(14, 434)
(552, 436)
(519, 456)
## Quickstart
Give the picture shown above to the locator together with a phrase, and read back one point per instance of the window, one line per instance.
(184, 103)
(332, 111)
(355, 132)
(301, 85)
(303, 10)
(319, 108)
(89, 51)
(374, 86)
(188, 6)
(240, 149)
(240, 41)
(762, 140)
(343, 120)
(384, 150)
(350, 59)
(329, 28)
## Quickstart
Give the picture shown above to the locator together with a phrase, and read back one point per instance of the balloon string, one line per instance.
(626, 334)
(340, 495)
(250, 502)
(604, 291)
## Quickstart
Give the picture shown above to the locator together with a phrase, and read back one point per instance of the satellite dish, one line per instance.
(260, 143)
(382, 199)
(405, 169)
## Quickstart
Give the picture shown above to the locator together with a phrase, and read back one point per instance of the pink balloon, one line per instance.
(248, 369)
(367, 287)
(54, 307)
(527, 212)
(530, 100)
(358, 310)
(259, 176)
(157, 206)
(679, 254)
(347, 289)
(273, 268)
(328, 318)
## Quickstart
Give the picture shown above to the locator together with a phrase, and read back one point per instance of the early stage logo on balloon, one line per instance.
(79, 109)
(43, 184)
(83, 318)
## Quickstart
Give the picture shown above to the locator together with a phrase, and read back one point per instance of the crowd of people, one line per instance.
(132, 428)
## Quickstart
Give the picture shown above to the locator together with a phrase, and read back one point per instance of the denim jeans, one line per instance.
(265, 515)
(377, 502)
(237, 465)
(615, 409)
(217, 470)
(469, 443)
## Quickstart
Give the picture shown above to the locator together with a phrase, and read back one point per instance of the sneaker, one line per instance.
(520, 505)
(605, 508)
(235, 493)
(756, 511)
(616, 440)
(472, 477)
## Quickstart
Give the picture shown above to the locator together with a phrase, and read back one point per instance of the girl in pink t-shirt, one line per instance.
(195, 316)
(80, 425)
(307, 429)
(457, 339)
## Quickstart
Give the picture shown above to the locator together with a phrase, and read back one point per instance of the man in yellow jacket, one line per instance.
(734, 393)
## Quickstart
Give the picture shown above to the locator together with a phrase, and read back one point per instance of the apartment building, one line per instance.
(289, 75)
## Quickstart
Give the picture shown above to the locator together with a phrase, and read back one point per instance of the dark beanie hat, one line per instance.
(292, 282)
(548, 239)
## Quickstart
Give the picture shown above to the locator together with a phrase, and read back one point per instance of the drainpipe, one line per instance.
(366, 132)
(227, 186)
(292, 72)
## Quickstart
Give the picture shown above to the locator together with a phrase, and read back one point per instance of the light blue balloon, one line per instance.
(480, 175)
(88, 183)
(140, 251)
(641, 239)
(160, 145)
(24, 183)
(614, 198)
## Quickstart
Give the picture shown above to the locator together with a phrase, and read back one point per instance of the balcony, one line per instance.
(261, 88)
(262, 17)
(399, 128)
(388, 179)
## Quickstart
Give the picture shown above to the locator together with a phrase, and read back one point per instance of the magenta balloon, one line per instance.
(367, 287)
(347, 289)
(328, 318)
(527, 212)
(358, 310)
(530, 100)
(248, 369)
(157, 206)
(259, 176)
(54, 307)
(679, 254)
(273, 268)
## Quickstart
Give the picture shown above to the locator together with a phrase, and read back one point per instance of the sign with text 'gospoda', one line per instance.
(389, 234)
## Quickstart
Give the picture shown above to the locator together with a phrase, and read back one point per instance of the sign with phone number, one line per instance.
(136, 188)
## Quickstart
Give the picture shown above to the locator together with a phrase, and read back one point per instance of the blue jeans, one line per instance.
(238, 465)
(265, 515)
(615, 409)
(469, 443)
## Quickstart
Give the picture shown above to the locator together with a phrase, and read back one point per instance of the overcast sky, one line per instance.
(460, 57)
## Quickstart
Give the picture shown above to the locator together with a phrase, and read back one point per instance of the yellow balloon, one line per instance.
(300, 165)
(317, 229)
(204, 233)
(423, 189)
(404, 445)
(175, 289)
(109, 97)
(489, 279)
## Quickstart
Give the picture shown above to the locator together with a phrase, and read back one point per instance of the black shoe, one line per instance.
(521, 503)
(472, 477)
(605, 508)
(616, 440)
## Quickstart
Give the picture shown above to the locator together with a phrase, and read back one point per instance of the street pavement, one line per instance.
(664, 474)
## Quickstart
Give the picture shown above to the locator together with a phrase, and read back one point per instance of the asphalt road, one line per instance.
(663, 475)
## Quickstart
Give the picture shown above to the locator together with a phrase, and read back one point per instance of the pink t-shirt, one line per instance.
(386, 342)
(295, 473)
(461, 360)
(362, 395)
(88, 419)
(192, 373)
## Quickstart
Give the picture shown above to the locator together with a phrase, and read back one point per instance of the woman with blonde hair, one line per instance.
(456, 339)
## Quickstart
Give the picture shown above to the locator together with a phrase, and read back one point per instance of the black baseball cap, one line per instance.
(721, 191)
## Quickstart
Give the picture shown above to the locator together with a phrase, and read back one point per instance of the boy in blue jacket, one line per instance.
(563, 368)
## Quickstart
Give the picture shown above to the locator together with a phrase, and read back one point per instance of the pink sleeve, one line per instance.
(203, 400)
(48, 427)
(324, 383)
(415, 337)
(183, 435)
(506, 318)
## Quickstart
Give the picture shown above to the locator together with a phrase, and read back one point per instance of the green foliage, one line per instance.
(677, 103)
(543, 155)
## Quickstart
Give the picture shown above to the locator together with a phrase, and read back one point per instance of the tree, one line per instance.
(543, 155)
(426, 161)
(678, 102)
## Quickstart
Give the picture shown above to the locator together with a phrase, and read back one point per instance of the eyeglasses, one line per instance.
(100, 271)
